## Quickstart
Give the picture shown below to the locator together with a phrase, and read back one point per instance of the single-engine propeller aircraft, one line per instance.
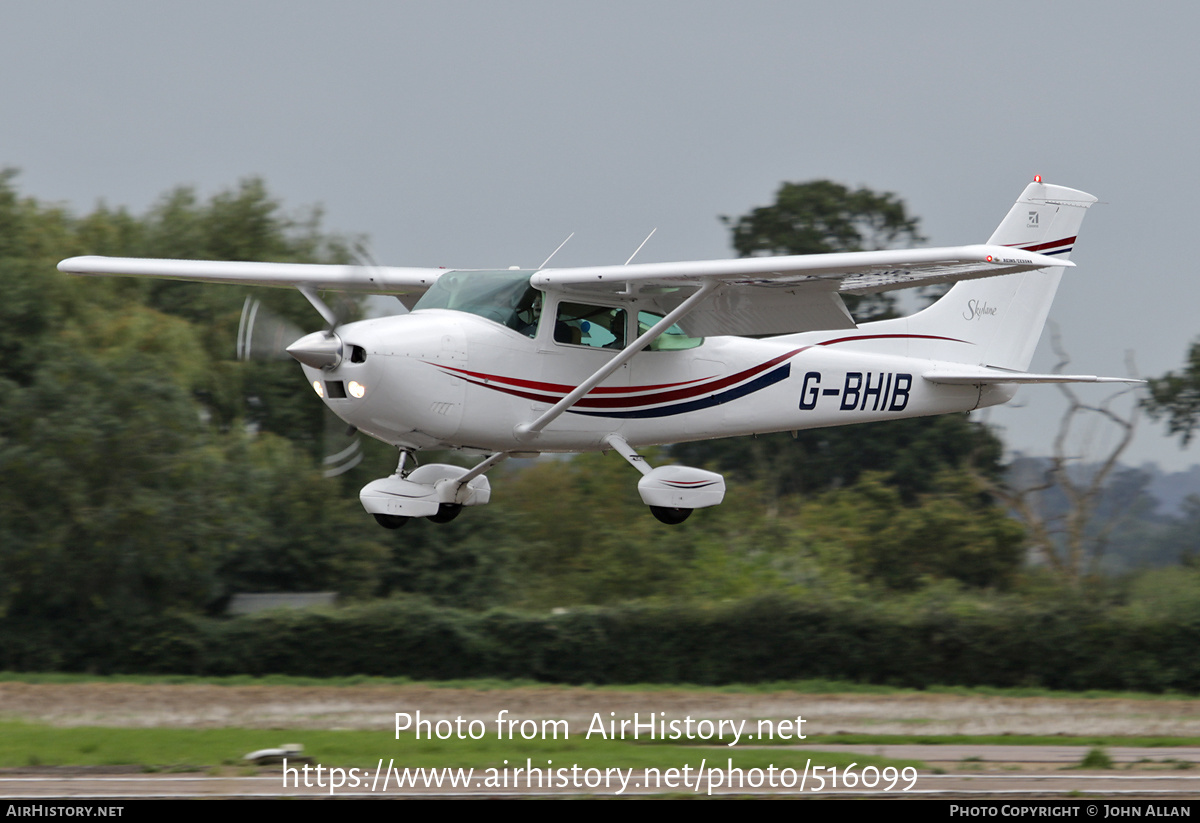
(516, 362)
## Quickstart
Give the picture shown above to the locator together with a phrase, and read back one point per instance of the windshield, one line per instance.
(502, 296)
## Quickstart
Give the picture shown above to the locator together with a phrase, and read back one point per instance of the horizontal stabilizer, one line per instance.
(983, 377)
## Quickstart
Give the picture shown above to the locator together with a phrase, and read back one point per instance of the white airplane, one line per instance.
(514, 363)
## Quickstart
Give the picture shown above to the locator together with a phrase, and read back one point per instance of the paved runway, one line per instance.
(1062, 756)
(969, 771)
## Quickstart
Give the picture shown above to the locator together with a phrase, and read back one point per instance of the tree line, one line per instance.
(145, 471)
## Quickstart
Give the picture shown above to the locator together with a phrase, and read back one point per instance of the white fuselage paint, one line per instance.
(446, 379)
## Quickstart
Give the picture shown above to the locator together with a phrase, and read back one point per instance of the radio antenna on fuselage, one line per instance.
(560, 245)
(644, 242)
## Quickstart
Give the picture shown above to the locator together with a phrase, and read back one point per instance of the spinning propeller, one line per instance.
(264, 336)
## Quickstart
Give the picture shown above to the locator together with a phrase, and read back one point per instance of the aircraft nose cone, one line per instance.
(320, 350)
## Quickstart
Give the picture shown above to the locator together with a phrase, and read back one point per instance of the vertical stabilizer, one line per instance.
(1003, 316)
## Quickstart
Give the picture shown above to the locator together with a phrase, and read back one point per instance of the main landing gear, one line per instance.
(671, 492)
(391, 521)
(672, 517)
(446, 513)
(439, 492)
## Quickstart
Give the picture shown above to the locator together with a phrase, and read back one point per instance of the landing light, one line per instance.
(356, 389)
(317, 388)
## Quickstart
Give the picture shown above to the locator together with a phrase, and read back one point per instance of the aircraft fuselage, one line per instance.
(447, 379)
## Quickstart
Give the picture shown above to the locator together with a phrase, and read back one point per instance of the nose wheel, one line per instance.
(437, 492)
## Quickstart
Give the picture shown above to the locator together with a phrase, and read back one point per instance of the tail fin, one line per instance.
(1003, 316)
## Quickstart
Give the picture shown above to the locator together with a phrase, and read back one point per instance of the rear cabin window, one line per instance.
(673, 339)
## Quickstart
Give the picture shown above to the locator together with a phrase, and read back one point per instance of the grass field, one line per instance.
(185, 723)
(27, 744)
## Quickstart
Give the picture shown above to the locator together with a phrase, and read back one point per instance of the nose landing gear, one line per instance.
(437, 491)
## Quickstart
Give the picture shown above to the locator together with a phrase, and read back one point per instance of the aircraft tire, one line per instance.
(391, 521)
(446, 513)
(672, 517)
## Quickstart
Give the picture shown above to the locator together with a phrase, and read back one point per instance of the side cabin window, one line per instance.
(673, 339)
(580, 324)
(501, 296)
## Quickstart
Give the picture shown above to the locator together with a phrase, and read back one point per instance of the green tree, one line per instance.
(945, 534)
(96, 515)
(128, 482)
(907, 454)
(1175, 397)
(587, 537)
(35, 303)
(290, 528)
(470, 563)
(820, 217)
(575, 531)
(243, 224)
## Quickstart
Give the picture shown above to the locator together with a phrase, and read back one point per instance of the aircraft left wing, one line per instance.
(777, 295)
(406, 283)
(860, 272)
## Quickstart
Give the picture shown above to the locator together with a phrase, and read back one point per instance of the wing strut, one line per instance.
(320, 305)
(527, 431)
(480, 468)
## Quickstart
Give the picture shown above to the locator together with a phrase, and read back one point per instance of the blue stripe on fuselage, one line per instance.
(768, 379)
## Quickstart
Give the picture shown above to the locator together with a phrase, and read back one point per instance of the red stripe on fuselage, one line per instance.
(530, 389)
(589, 402)
(562, 387)
(886, 336)
(683, 394)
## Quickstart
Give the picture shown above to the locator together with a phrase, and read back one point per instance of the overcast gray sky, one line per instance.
(482, 133)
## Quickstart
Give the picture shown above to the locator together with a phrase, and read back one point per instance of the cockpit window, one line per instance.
(502, 296)
(601, 327)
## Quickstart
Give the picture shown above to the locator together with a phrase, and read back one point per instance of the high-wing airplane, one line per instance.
(513, 363)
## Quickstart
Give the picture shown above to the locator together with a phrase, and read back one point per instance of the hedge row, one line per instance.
(1065, 647)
